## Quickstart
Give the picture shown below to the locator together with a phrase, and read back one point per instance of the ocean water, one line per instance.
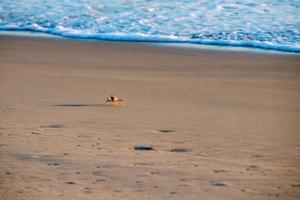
(266, 24)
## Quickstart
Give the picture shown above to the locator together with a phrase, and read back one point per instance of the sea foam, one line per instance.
(267, 24)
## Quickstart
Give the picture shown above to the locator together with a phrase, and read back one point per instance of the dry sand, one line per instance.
(221, 125)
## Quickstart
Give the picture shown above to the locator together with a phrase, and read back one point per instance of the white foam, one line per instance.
(272, 24)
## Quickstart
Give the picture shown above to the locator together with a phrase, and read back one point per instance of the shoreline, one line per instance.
(196, 123)
(184, 45)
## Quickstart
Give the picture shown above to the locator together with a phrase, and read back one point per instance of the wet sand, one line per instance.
(197, 124)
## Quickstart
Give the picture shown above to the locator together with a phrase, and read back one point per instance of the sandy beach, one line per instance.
(196, 124)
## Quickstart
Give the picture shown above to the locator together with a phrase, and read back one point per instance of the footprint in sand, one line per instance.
(295, 185)
(53, 164)
(53, 126)
(70, 183)
(78, 105)
(252, 168)
(88, 190)
(257, 156)
(180, 150)
(217, 183)
(166, 131)
(143, 148)
(97, 173)
(220, 171)
(152, 173)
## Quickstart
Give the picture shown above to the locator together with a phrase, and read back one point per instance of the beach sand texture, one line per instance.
(197, 124)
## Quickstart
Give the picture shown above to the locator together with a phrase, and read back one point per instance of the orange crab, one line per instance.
(116, 101)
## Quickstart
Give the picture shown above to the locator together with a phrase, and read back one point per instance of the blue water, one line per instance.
(267, 24)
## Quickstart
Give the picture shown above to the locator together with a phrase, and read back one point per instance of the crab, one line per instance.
(116, 101)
